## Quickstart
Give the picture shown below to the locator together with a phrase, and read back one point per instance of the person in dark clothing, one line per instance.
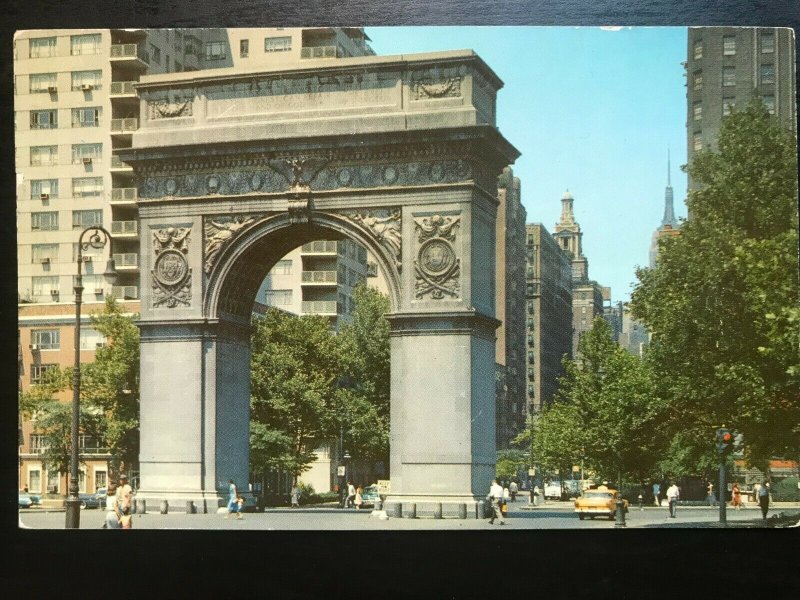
(763, 500)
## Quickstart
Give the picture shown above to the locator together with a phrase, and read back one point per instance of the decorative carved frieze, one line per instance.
(219, 232)
(169, 108)
(383, 225)
(449, 87)
(172, 276)
(437, 267)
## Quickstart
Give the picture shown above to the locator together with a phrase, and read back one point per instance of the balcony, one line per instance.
(123, 89)
(125, 229)
(326, 248)
(119, 166)
(121, 196)
(320, 307)
(319, 278)
(128, 261)
(125, 292)
(318, 52)
(124, 126)
(130, 55)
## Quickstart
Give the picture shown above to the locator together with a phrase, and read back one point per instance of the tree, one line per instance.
(722, 301)
(606, 409)
(364, 397)
(509, 463)
(294, 368)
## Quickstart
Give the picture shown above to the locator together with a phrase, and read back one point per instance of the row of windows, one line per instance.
(43, 286)
(216, 50)
(48, 220)
(50, 339)
(82, 187)
(48, 155)
(729, 103)
(81, 117)
(766, 44)
(766, 76)
(41, 83)
(79, 45)
(50, 252)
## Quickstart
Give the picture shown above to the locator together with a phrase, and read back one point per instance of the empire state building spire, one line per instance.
(669, 211)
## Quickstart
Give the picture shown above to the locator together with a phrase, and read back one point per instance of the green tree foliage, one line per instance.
(722, 301)
(295, 364)
(364, 397)
(607, 406)
(509, 463)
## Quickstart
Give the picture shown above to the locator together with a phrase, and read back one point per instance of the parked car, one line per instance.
(370, 495)
(598, 502)
(25, 500)
(96, 500)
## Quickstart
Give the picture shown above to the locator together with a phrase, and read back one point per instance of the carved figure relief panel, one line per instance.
(219, 232)
(384, 226)
(437, 267)
(171, 274)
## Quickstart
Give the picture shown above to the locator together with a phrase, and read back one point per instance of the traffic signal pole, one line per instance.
(722, 490)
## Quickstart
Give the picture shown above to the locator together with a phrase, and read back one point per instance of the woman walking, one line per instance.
(112, 520)
(233, 500)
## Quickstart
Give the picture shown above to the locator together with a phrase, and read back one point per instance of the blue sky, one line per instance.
(591, 110)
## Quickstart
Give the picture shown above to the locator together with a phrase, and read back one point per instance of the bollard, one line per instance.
(462, 510)
(620, 513)
(411, 513)
(189, 507)
(437, 510)
(141, 506)
(164, 509)
(397, 511)
(480, 511)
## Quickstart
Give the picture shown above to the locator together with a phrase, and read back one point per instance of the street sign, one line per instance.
(575, 468)
(383, 486)
(340, 471)
(531, 472)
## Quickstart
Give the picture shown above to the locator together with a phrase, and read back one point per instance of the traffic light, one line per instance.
(724, 441)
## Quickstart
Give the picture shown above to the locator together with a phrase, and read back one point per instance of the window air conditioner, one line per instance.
(87, 160)
(45, 261)
(44, 196)
(87, 259)
(101, 344)
(54, 292)
(52, 89)
(86, 87)
(34, 346)
(98, 291)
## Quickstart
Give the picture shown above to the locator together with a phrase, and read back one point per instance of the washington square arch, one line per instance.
(400, 154)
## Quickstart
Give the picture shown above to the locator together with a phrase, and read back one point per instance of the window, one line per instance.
(769, 103)
(728, 105)
(44, 221)
(244, 48)
(278, 297)
(44, 119)
(38, 441)
(697, 111)
(90, 338)
(698, 81)
(277, 44)
(767, 43)
(87, 187)
(44, 253)
(155, 54)
(35, 480)
(86, 218)
(86, 117)
(215, 50)
(85, 44)
(282, 267)
(728, 45)
(44, 155)
(728, 76)
(697, 141)
(93, 283)
(44, 186)
(53, 482)
(42, 47)
(44, 286)
(40, 83)
(46, 339)
(80, 152)
(87, 78)
(100, 480)
(767, 74)
(698, 49)
(36, 376)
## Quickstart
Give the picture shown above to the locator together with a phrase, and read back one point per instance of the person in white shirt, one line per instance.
(495, 496)
(513, 488)
(673, 493)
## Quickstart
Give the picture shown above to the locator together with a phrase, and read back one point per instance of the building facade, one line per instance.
(548, 297)
(510, 307)
(726, 67)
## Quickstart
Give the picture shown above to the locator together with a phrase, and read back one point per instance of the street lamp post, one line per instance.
(97, 239)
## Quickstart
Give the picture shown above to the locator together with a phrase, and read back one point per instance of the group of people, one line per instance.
(354, 498)
(499, 496)
(760, 494)
(119, 501)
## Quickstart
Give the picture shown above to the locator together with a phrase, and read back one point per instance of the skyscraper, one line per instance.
(669, 224)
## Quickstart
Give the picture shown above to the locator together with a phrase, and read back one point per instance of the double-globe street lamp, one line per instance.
(97, 239)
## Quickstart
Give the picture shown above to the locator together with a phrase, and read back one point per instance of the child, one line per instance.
(239, 507)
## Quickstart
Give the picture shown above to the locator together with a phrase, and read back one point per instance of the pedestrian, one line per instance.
(112, 520)
(513, 488)
(673, 494)
(233, 500)
(763, 499)
(736, 495)
(641, 502)
(496, 498)
(359, 499)
(296, 493)
(535, 495)
(123, 498)
(351, 494)
(656, 493)
(711, 499)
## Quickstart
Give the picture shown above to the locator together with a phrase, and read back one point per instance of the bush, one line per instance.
(786, 490)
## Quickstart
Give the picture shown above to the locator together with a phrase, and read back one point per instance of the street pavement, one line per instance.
(552, 515)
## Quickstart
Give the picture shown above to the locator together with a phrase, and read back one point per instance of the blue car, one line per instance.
(96, 500)
(25, 500)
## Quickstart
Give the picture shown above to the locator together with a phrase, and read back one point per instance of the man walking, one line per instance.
(763, 499)
(513, 488)
(124, 498)
(656, 493)
(496, 497)
(351, 495)
(673, 493)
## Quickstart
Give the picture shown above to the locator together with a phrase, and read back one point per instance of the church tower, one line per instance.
(569, 237)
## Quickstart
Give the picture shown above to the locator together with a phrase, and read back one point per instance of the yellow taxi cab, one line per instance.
(601, 501)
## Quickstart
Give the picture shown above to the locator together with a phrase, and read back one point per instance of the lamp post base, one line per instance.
(73, 513)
